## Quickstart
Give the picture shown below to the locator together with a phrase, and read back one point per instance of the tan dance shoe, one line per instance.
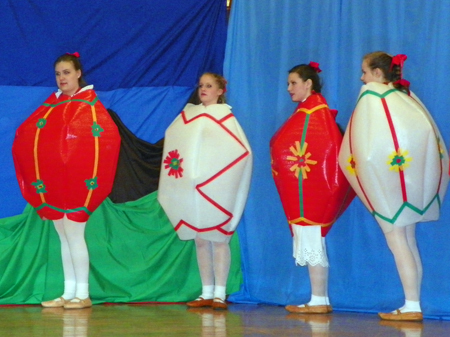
(200, 302)
(78, 303)
(397, 315)
(309, 309)
(56, 303)
(220, 304)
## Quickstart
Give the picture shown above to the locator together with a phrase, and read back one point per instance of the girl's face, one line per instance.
(297, 88)
(67, 77)
(208, 90)
(371, 75)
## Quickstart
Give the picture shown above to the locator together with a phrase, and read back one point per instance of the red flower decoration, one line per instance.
(173, 163)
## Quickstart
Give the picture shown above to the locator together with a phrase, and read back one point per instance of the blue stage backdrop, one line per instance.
(265, 39)
(143, 57)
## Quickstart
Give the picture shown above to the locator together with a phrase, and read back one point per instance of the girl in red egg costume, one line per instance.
(312, 188)
(65, 155)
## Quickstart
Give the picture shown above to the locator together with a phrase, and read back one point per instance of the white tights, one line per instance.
(75, 258)
(318, 276)
(403, 245)
(214, 260)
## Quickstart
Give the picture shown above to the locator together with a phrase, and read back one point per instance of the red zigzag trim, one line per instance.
(214, 177)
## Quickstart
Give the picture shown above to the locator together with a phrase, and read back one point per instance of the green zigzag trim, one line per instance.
(72, 100)
(63, 210)
(413, 208)
(370, 92)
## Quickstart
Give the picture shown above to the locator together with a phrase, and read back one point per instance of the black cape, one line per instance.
(138, 167)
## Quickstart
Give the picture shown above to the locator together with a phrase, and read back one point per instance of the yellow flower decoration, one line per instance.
(301, 160)
(352, 167)
(398, 160)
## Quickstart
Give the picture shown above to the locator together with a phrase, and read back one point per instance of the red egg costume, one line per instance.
(65, 155)
(304, 151)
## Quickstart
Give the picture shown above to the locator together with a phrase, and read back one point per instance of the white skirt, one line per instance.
(309, 246)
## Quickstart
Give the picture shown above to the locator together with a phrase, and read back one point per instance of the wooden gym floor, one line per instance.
(168, 320)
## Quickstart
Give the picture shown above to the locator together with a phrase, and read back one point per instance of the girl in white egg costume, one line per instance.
(394, 158)
(204, 182)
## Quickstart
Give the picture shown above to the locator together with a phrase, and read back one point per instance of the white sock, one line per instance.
(220, 292)
(207, 292)
(411, 306)
(69, 290)
(319, 300)
(82, 291)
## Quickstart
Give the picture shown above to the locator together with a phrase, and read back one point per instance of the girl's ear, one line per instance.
(309, 83)
(378, 73)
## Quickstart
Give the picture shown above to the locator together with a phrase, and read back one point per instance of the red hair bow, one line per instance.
(315, 66)
(76, 54)
(403, 82)
(225, 86)
(398, 60)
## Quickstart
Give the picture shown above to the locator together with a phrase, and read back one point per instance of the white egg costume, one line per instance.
(205, 173)
(394, 157)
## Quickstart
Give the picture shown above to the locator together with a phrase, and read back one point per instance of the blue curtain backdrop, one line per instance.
(265, 39)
